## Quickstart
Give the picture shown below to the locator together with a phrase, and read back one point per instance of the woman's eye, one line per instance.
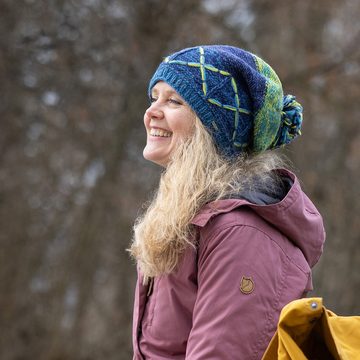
(174, 101)
(170, 100)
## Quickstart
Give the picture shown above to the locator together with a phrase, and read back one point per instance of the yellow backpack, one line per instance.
(307, 330)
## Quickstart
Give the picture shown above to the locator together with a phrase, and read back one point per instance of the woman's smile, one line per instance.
(160, 133)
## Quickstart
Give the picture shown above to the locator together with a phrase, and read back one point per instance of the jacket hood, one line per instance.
(294, 215)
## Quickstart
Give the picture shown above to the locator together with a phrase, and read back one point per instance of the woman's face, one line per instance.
(168, 120)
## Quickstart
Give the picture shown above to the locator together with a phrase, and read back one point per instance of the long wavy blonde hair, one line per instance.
(196, 175)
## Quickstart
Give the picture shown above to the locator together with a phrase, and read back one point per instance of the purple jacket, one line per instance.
(225, 299)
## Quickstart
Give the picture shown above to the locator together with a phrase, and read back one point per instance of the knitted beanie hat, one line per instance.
(235, 94)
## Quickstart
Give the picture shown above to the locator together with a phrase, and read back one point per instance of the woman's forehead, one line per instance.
(163, 87)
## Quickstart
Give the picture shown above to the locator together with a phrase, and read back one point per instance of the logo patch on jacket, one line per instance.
(247, 285)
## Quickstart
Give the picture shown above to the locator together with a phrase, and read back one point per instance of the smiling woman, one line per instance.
(168, 121)
(229, 238)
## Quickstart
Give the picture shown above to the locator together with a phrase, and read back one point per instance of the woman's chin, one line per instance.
(155, 156)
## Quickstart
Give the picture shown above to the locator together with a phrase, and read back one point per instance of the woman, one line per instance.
(229, 238)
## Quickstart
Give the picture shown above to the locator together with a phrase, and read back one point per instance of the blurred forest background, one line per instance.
(73, 79)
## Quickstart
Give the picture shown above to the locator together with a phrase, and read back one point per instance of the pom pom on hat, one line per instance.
(236, 95)
(291, 120)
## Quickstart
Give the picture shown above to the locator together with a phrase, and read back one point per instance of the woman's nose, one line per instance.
(154, 111)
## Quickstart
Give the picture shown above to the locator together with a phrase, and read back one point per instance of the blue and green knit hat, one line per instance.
(236, 95)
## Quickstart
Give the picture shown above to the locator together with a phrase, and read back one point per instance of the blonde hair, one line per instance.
(196, 175)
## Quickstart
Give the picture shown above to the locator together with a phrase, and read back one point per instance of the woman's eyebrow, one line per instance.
(167, 92)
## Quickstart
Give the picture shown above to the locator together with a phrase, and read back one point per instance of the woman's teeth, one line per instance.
(162, 133)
